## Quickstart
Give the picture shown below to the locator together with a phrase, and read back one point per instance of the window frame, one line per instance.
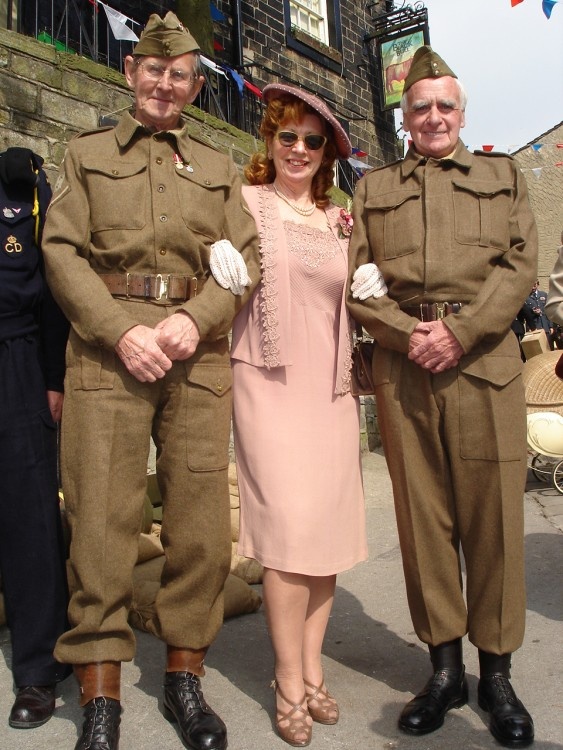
(328, 55)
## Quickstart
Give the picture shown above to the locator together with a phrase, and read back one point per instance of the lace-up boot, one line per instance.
(99, 695)
(509, 722)
(446, 689)
(200, 727)
(100, 730)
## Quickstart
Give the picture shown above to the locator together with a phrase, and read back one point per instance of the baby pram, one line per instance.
(545, 447)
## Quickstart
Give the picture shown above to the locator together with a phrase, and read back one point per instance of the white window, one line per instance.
(310, 16)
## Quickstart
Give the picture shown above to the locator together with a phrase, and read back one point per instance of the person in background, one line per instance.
(453, 236)
(33, 335)
(554, 302)
(140, 214)
(296, 424)
(535, 314)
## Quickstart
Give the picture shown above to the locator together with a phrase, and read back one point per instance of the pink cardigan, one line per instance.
(262, 329)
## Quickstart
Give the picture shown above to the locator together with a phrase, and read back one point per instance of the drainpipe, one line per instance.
(237, 34)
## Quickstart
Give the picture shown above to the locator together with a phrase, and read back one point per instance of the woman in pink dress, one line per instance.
(296, 424)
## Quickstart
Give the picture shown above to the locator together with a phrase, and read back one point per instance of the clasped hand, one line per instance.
(434, 347)
(148, 353)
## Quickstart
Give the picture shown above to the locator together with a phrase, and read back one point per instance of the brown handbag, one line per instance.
(361, 383)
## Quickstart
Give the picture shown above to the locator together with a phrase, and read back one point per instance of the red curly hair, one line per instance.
(284, 109)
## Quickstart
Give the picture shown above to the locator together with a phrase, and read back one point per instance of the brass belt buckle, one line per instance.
(161, 287)
(127, 285)
(440, 310)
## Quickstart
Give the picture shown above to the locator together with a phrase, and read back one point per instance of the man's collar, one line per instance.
(461, 156)
(128, 127)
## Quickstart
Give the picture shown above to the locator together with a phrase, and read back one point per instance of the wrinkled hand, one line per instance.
(141, 354)
(55, 400)
(177, 336)
(434, 347)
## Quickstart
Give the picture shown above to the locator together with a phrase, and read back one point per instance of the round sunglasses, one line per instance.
(312, 141)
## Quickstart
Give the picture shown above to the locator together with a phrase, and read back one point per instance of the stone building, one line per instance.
(541, 162)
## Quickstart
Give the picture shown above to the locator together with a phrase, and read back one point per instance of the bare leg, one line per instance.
(286, 599)
(297, 612)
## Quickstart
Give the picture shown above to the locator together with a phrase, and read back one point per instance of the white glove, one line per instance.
(368, 282)
(228, 267)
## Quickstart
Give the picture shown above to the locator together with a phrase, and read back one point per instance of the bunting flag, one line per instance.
(213, 66)
(359, 152)
(253, 88)
(547, 6)
(118, 24)
(216, 14)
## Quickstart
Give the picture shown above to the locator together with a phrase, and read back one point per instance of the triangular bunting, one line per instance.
(537, 171)
(547, 7)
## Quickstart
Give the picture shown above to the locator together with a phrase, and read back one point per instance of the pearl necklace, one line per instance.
(294, 206)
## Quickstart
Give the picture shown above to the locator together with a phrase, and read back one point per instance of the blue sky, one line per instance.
(510, 61)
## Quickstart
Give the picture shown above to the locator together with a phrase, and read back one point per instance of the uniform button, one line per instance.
(161, 188)
(115, 171)
(164, 217)
(162, 251)
(158, 160)
(219, 387)
(207, 182)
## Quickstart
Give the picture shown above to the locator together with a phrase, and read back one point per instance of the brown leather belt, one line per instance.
(433, 310)
(160, 287)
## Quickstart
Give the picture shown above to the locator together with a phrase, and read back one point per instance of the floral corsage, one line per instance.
(345, 223)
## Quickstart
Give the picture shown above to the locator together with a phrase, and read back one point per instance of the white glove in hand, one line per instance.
(228, 267)
(368, 282)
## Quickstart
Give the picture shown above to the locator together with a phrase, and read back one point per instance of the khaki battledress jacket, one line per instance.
(456, 230)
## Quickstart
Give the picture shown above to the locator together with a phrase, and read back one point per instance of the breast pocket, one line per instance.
(117, 194)
(202, 202)
(482, 213)
(394, 222)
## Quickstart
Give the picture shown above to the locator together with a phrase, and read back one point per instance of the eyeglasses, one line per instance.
(155, 72)
(312, 141)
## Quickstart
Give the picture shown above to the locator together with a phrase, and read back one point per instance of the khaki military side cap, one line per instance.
(426, 64)
(167, 37)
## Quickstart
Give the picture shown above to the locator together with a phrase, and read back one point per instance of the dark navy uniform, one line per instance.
(33, 335)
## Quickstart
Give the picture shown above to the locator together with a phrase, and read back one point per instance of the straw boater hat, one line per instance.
(543, 389)
(165, 37)
(277, 90)
(426, 64)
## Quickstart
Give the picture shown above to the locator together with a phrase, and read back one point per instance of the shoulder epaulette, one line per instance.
(93, 131)
(479, 152)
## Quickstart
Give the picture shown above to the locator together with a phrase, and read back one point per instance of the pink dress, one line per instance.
(296, 439)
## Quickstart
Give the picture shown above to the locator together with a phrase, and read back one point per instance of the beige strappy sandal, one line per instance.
(326, 709)
(297, 725)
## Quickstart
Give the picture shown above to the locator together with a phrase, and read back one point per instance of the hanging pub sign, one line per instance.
(395, 57)
(392, 42)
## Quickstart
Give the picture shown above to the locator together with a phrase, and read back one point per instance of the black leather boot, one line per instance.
(100, 730)
(447, 688)
(200, 727)
(509, 722)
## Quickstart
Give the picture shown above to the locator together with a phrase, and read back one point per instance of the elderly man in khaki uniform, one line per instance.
(140, 214)
(454, 238)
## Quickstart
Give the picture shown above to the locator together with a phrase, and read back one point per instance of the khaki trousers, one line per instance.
(456, 450)
(107, 422)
